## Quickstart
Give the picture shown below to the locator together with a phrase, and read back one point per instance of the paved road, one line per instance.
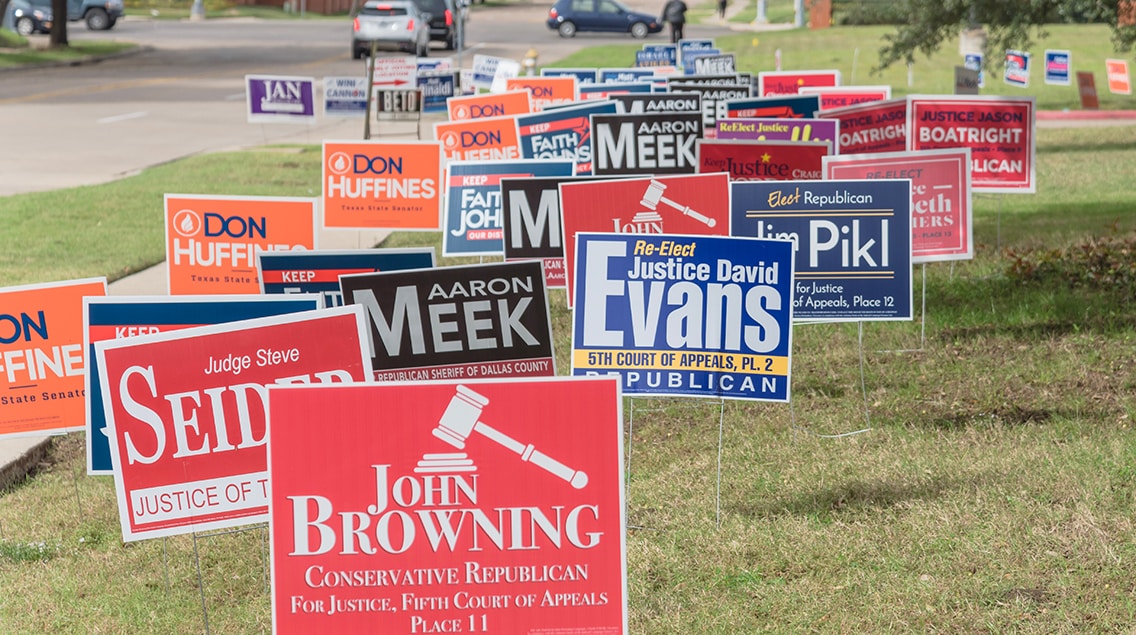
(185, 94)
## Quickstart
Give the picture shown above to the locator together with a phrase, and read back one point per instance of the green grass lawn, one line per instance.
(854, 51)
(994, 493)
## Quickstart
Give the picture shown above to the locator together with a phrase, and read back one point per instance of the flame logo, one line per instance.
(450, 140)
(187, 223)
(339, 162)
(461, 112)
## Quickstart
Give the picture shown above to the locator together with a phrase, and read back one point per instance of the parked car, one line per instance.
(26, 18)
(99, 15)
(390, 24)
(444, 15)
(567, 17)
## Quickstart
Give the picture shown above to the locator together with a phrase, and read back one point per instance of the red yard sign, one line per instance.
(1000, 132)
(763, 160)
(940, 196)
(186, 412)
(878, 126)
(439, 507)
(844, 96)
(789, 82)
(697, 204)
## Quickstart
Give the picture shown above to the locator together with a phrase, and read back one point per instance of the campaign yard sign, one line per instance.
(973, 61)
(727, 79)
(624, 75)
(605, 90)
(879, 126)
(487, 139)
(381, 184)
(187, 413)
(1087, 89)
(656, 103)
(966, 81)
(545, 91)
(513, 102)
(562, 133)
(1116, 71)
(393, 71)
(636, 144)
(280, 99)
(713, 64)
(697, 316)
(403, 104)
(1017, 68)
(473, 202)
(485, 69)
(318, 271)
(345, 96)
(117, 317)
(582, 75)
(1000, 132)
(531, 219)
(212, 241)
(437, 87)
(842, 96)
(657, 55)
(780, 106)
(693, 204)
(478, 507)
(42, 362)
(714, 98)
(689, 47)
(770, 83)
(473, 321)
(781, 130)
(763, 160)
(852, 239)
(941, 218)
(1057, 67)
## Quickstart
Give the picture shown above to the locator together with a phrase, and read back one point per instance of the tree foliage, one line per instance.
(1009, 24)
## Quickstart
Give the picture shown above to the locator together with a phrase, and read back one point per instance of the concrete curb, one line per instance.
(19, 456)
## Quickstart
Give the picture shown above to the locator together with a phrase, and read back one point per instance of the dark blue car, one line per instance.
(569, 16)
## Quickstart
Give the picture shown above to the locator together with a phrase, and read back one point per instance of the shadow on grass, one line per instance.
(968, 310)
(850, 497)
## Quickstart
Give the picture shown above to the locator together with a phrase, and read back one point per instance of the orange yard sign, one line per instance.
(489, 139)
(212, 242)
(1118, 82)
(42, 361)
(510, 102)
(546, 91)
(377, 184)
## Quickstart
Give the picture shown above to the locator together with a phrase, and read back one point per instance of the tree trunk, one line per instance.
(4, 12)
(59, 23)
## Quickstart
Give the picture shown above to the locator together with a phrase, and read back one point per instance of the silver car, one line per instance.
(390, 24)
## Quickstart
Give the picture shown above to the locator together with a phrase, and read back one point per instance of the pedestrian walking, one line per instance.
(674, 14)
(722, 9)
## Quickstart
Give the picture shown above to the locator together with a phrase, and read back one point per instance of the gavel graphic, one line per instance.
(654, 195)
(461, 419)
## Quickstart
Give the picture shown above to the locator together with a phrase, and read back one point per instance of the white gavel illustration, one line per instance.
(654, 195)
(461, 419)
